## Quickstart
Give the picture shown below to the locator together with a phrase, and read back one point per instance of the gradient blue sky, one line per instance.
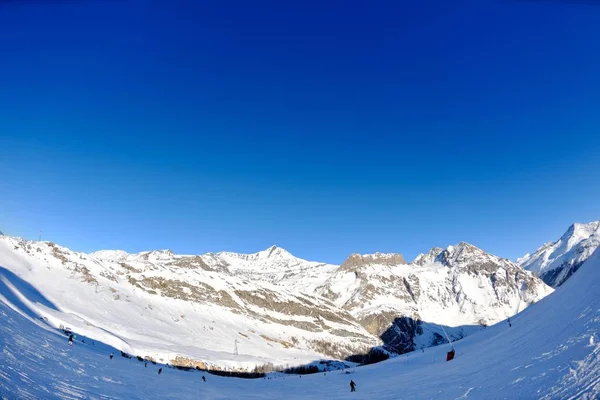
(325, 127)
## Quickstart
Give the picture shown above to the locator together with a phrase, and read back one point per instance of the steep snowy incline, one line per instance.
(555, 262)
(550, 352)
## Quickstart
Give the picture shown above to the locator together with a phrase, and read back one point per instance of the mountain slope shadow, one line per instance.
(18, 293)
(406, 334)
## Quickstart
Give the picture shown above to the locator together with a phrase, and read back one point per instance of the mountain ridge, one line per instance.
(555, 262)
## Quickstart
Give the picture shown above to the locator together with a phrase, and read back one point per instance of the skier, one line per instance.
(71, 340)
(160, 371)
(111, 355)
(203, 378)
(145, 364)
(352, 386)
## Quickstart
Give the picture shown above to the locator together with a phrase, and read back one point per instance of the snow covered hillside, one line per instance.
(556, 262)
(237, 311)
(550, 352)
(180, 309)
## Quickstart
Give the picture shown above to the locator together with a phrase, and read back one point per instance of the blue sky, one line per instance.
(326, 128)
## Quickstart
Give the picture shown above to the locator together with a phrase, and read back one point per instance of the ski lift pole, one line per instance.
(451, 353)
(448, 337)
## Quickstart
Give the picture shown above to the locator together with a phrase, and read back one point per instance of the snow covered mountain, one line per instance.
(462, 288)
(551, 351)
(185, 309)
(556, 262)
(231, 310)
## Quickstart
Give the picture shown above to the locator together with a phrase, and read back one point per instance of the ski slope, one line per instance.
(550, 352)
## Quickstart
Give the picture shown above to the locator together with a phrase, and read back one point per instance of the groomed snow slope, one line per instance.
(550, 352)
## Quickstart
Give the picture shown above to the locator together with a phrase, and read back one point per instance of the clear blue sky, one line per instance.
(325, 127)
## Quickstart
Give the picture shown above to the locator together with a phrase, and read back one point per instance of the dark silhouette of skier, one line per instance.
(203, 378)
(145, 364)
(352, 386)
(71, 340)
(160, 371)
(111, 356)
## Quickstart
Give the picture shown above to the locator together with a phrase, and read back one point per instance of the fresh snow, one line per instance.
(279, 308)
(546, 354)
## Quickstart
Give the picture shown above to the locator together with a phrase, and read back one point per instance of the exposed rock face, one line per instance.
(356, 261)
(556, 262)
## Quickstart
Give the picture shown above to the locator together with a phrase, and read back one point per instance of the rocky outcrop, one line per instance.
(428, 258)
(356, 261)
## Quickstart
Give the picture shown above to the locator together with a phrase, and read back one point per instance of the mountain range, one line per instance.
(548, 351)
(237, 311)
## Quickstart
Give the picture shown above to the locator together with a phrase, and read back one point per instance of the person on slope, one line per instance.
(111, 355)
(352, 386)
(203, 378)
(71, 340)
(160, 371)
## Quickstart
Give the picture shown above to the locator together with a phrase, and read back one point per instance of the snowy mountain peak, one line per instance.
(463, 253)
(464, 246)
(158, 255)
(275, 251)
(110, 255)
(579, 231)
(430, 257)
(556, 262)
